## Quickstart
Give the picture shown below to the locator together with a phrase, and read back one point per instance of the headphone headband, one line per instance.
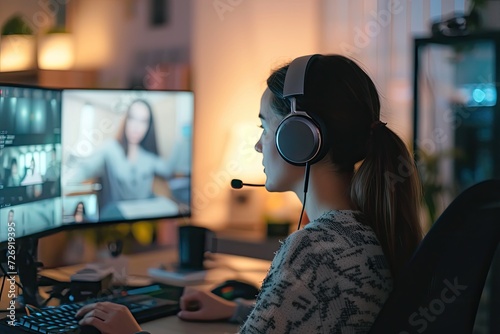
(296, 75)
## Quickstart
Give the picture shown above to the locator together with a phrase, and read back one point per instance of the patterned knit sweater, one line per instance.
(329, 277)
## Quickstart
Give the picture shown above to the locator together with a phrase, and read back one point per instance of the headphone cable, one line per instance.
(306, 185)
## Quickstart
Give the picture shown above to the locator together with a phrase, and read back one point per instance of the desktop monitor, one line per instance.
(30, 135)
(79, 157)
(74, 158)
(126, 155)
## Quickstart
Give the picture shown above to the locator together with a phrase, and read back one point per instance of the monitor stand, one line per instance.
(27, 269)
(113, 260)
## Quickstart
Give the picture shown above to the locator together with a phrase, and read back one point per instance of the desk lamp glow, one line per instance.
(17, 46)
(56, 51)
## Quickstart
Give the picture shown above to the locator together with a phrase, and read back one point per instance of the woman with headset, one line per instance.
(322, 138)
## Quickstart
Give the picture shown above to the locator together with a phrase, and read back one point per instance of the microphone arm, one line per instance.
(238, 184)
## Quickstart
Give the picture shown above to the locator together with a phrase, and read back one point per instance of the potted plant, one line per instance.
(17, 45)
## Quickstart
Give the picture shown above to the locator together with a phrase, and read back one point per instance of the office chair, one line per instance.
(439, 289)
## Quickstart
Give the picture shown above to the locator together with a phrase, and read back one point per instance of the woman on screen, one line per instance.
(125, 165)
(79, 214)
(32, 175)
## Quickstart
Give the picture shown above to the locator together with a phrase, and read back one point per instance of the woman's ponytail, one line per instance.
(386, 188)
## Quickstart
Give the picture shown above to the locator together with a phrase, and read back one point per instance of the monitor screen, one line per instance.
(126, 155)
(30, 153)
(77, 156)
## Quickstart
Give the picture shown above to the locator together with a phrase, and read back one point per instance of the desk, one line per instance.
(227, 267)
(175, 325)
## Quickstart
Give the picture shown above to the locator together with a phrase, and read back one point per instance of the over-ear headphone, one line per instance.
(299, 137)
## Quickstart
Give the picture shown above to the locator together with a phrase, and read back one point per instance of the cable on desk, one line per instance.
(6, 274)
(1, 290)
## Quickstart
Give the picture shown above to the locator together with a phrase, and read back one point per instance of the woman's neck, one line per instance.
(328, 190)
(132, 152)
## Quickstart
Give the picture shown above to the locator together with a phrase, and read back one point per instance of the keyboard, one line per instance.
(145, 304)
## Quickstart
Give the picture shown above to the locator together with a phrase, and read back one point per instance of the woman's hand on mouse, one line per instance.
(204, 305)
(109, 318)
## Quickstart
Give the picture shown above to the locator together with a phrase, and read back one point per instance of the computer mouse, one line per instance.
(89, 330)
(232, 289)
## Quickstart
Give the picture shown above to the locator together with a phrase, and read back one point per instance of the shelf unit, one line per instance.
(456, 129)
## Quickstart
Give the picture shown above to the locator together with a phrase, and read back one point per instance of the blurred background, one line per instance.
(435, 64)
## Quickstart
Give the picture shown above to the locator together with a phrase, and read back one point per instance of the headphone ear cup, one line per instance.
(299, 139)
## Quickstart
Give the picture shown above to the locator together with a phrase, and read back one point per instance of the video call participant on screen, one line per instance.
(10, 218)
(53, 173)
(128, 163)
(79, 214)
(18, 225)
(14, 179)
(32, 175)
(334, 274)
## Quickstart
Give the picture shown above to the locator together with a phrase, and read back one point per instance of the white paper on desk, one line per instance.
(177, 277)
(153, 207)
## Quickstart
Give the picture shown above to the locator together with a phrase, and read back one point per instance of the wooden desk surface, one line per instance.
(175, 325)
(224, 266)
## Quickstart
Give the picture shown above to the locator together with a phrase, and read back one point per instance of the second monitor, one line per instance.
(126, 155)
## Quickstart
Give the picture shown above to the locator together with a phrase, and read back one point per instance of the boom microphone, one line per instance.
(238, 184)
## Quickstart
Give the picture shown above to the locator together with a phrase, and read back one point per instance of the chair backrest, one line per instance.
(439, 289)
